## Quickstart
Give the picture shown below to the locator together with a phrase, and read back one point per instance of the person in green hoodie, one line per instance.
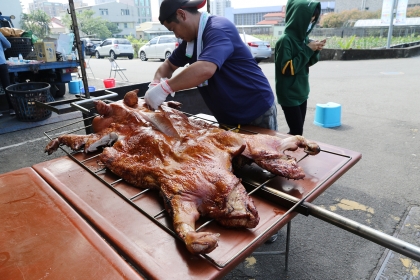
(294, 54)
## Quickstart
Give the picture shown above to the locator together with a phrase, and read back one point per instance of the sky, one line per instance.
(155, 9)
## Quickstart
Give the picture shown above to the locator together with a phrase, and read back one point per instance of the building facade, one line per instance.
(250, 16)
(13, 8)
(52, 9)
(124, 15)
(149, 30)
(142, 8)
(218, 7)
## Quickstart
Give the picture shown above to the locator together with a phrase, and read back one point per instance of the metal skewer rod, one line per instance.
(84, 101)
(139, 194)
(88, 159)
(388, 241)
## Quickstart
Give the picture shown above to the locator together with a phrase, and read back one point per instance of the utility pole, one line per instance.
(391, 25)
(75, 28)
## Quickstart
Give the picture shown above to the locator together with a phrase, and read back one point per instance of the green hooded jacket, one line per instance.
(292, 55)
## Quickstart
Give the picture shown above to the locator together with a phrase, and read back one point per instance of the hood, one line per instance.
(298, 17)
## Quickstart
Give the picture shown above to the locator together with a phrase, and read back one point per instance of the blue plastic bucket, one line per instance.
(74, 86)
(328, 115)
(91, 89)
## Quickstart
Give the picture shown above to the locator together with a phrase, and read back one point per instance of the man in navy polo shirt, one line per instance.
(221, 66)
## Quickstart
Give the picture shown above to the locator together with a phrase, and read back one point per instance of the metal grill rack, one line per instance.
(252, 187)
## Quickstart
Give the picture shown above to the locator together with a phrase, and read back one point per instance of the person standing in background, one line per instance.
(231, 83)
(4, 71)
(294, 54)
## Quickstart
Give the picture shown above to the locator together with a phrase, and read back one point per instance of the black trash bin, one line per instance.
(23, 97)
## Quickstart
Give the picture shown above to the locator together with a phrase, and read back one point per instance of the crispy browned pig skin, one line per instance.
(188, 161)
(193, 175)
(115, 119)
(268, 152)
(265, 150)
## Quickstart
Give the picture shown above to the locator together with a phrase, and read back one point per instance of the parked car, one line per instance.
(260, 49)
(115, 47)
(90, 45)
(159, 47)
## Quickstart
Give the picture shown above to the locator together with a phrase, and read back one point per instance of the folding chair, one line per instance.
(117, 69)
(88, 66)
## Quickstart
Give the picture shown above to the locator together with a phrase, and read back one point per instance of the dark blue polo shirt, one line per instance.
(238, 92)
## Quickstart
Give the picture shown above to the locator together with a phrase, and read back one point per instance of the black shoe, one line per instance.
(12, 112)
(272, 239)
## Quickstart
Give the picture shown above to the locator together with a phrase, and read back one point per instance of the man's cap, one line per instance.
(169, 7)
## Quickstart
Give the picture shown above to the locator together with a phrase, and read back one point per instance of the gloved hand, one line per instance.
(156, 95)
(153, 84)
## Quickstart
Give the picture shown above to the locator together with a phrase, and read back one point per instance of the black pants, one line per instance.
(295, 118)
(5, 81)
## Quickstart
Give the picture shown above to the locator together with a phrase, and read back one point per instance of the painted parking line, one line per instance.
(31, 141)
(392, 73)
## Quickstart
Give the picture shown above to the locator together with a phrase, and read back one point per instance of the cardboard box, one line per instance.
(50, 39)
(45, 51)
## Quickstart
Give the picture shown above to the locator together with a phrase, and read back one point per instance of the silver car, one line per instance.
(160, 47)
(115, 47)
(259, 49)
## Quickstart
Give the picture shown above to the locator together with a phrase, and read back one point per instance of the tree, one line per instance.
(89, 24)
(112, 27)
(37, 22)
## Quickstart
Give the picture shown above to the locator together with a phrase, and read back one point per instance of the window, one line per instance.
(125, 12)
(164, 40)
(125, 25)
(153, 41)
(122, 42)
(103, 12)
(248, 19)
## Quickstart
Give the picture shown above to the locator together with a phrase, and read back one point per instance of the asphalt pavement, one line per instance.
(380, 118)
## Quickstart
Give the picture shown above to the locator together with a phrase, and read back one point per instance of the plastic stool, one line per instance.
(328, 115)
(74, 86)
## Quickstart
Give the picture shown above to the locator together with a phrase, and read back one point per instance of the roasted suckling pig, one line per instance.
(188, 160)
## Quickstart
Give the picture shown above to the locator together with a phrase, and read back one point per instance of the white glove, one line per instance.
(157, 94)
(153, 84)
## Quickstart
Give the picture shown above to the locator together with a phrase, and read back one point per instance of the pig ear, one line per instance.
(131, 99)
(102, 108)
